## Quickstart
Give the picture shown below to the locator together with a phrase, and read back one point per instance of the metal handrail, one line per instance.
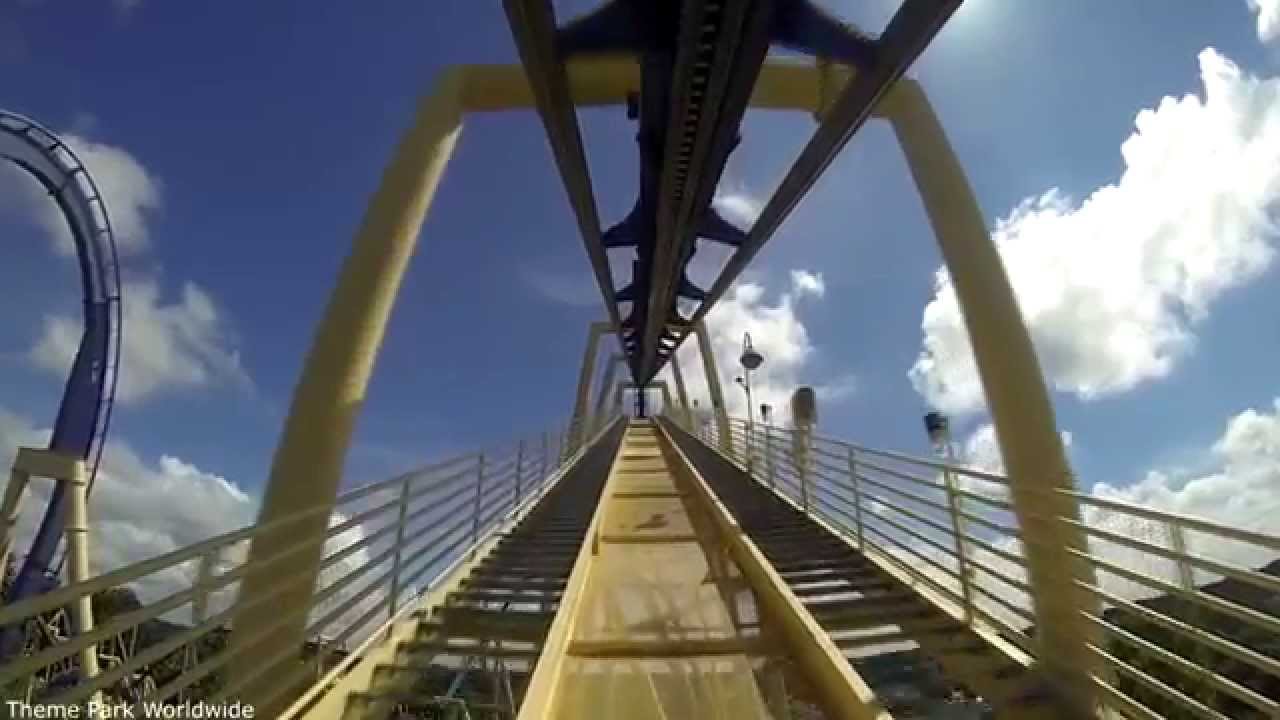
(860, 492)
(406, 526)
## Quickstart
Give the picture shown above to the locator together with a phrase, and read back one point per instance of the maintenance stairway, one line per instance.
(625, 588)
(682, 567)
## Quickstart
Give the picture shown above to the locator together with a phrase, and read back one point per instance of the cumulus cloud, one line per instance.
(738, 207)
(167, 345)
(1237, 490)
(141, 509)
(777, 332)
(1268, 12)
(131, 193)
(577, 290)
(1114, 287)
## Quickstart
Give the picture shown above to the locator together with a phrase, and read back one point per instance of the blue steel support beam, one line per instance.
(699, 63)
(910, 31)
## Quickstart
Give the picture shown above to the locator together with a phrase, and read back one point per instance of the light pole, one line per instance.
(750, 360)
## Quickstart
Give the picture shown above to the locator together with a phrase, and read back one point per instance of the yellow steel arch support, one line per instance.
(606, 382)
(584, 380)
(1018, 398)
(306, 468)
(308, 462)
(680, 389)
(710, 369)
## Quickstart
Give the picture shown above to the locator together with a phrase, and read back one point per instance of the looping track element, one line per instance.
(85, 413)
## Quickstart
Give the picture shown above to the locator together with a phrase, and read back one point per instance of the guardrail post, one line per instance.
(475, 518)
(857, 497)
(954, 508)
(1178, 539)
(395, 561)
(804, 487)
(515, 503)
(545, 459)
(204, 578)
(199, 613)
(800, 436)
(768, 455)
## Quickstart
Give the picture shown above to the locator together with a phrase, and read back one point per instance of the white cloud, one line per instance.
(804, 282)
(139, 509)
(777, 332)
(142, 509)
(131, 193)
(577, 290)
(738, 207)
(1268, 12)
(1238, 490)
(183, 344)
(1113, 288)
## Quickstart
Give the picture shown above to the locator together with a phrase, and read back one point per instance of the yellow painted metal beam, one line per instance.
(585, 372)
(782, 85)
(1018, 397)
(539, 695)
(712, 372)
(306, 468)
(308, 463)
(844, 693)
(650, 636)
(636, 649)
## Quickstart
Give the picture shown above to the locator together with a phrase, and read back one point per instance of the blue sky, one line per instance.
(240, 143)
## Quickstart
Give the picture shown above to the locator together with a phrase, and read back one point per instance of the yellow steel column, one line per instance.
(681, 394)
(1015, 392)
(713, 385)
(667, 405)
(606, 383)
(308, 462)
(577, 429)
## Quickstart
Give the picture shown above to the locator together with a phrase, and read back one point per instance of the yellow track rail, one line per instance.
(671, 612)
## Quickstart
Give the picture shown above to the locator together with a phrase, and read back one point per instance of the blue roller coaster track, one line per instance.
(85, 413)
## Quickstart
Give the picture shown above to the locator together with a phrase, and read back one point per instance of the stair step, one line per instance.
(837, 571)
(493, 596)
(863, 591)
(435, 648)
(512, 581)
(850, 617)
(1022, 692)
(880, 601)
(836, 564)
(509, 564)
(498, 624)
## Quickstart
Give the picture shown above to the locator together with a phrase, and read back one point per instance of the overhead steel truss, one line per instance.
(699, 63)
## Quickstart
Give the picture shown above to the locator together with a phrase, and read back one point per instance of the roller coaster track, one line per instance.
(85, 413)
